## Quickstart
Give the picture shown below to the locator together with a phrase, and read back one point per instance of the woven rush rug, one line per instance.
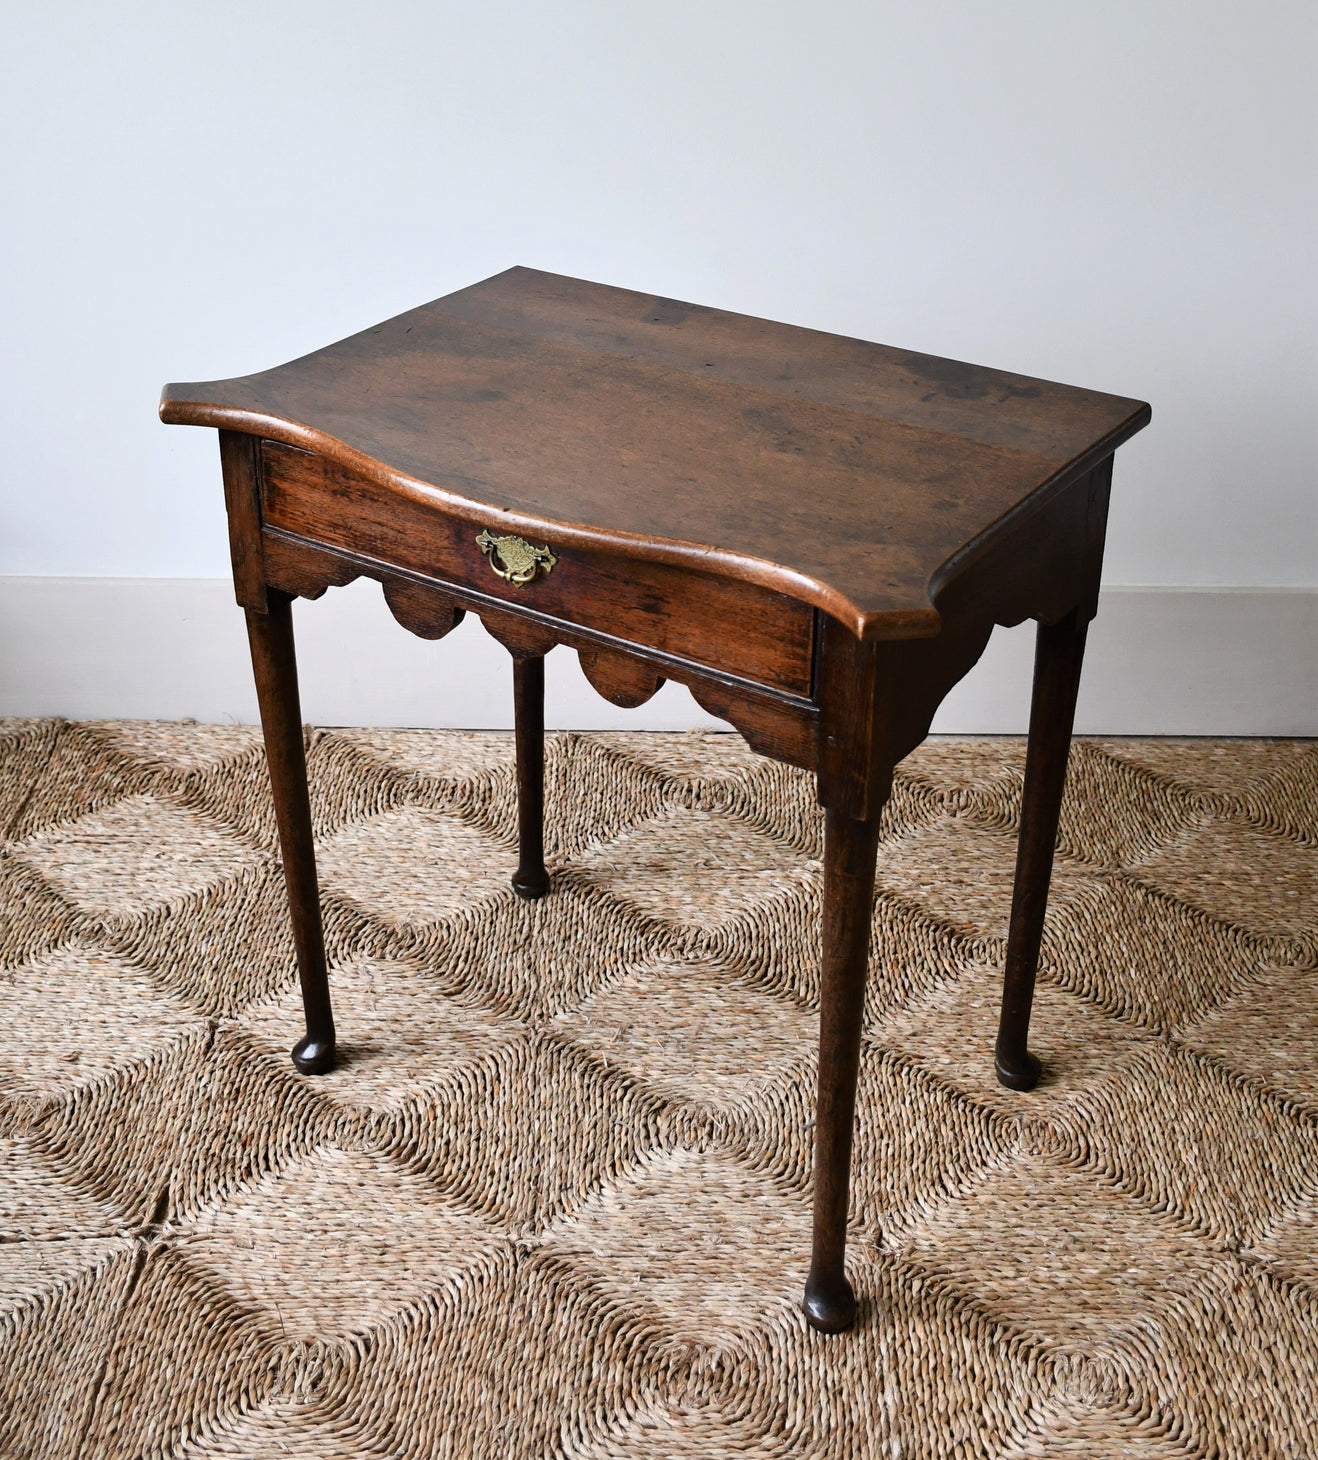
(555, 1202)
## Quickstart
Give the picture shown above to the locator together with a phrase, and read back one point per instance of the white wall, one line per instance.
(1159, 662)
(1113, 193)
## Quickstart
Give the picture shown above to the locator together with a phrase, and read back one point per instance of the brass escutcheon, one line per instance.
(513, 558)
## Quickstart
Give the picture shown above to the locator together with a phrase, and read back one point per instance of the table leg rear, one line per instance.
(530, 880)
(275, 667)
(1058, 656)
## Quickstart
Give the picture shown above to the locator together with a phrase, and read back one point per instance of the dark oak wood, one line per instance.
(530, 879)
(297, 570)
(648, 604)
(1059, 653)
(524, 638)
(1039, 416)
(620, 678)
(849, 857)
(774, 727)
(275, 667)
(774, 723)
(837, 472)
(420, 610)
(240, 467)
(815, 534)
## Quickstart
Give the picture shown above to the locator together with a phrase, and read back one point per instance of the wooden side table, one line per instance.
(815, 534)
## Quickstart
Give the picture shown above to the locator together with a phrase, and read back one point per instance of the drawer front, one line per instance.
(739, 628)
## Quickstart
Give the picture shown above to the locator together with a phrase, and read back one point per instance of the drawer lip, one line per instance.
(475, 600)
(608, 595)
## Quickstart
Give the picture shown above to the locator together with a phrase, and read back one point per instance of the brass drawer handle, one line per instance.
(514, 559)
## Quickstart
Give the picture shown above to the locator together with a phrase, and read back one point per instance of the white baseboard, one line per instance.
(1160, 662)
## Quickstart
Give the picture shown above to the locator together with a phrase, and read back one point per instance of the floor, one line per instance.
(555, 1200)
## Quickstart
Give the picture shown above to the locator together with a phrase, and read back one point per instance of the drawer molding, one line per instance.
(755, 633)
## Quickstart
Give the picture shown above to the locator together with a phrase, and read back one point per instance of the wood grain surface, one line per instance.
(841, 473)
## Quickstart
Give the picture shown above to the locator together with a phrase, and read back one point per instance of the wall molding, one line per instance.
(1161, 661)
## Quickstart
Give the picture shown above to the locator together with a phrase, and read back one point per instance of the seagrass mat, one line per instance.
(555, 1202)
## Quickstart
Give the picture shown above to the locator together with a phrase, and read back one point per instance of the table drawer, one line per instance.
(736, 627)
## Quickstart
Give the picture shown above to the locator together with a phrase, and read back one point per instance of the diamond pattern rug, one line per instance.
(555, 1200)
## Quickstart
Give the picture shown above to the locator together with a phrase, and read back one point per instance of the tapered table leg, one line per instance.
(275, 666)
(530, 879)
(1059, 653)
(849, 853)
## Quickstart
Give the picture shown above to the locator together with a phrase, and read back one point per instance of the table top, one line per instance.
(850, 475)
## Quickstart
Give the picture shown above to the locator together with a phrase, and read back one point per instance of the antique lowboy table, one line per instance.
(815, 534)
